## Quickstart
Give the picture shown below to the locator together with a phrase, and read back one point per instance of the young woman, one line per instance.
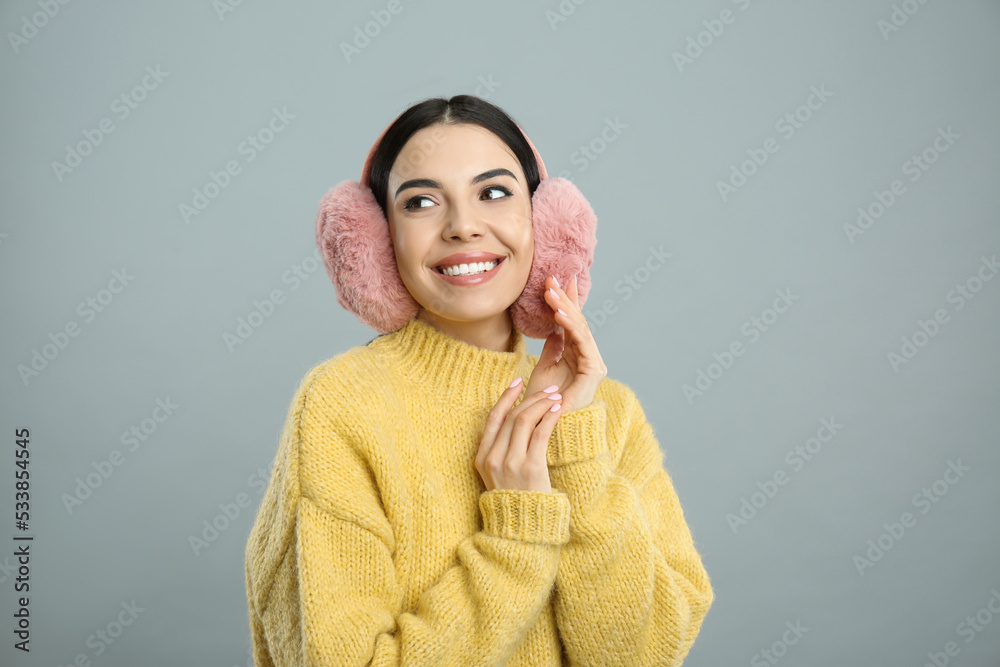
(439, 496)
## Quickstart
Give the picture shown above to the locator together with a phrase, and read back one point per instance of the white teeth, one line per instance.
(468, 269)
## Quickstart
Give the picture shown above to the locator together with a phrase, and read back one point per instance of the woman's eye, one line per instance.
(409, 203)
(415, 202)
(497, 188)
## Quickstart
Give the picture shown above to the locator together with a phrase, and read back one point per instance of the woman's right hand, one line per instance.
(512, 450)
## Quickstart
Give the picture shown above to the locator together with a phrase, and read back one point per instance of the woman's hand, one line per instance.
(572, 363)
(512, 450)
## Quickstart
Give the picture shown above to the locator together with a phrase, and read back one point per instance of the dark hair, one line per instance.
(467, 109)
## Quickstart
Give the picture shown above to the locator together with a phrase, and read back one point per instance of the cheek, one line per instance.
(527, 237)
(519, 241)
(408, 248)
(520, 228)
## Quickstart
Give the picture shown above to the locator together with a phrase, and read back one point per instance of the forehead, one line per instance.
(455, 152)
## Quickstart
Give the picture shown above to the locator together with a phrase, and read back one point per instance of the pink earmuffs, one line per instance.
(353, 237)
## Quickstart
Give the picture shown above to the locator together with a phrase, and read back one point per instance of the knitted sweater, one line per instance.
(376, 542)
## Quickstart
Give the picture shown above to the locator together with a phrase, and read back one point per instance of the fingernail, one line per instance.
(556, 281)
(515, 382)
(555, 397)
(554, 293)
(549, 390)
(560, 311)
(555, 407)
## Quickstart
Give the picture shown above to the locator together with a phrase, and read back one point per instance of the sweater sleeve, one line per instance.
(631, 588)
(330, 593)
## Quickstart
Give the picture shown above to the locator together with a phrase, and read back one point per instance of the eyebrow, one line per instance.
(430, 183)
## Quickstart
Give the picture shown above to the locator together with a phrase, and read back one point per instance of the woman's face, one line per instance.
(459, 189)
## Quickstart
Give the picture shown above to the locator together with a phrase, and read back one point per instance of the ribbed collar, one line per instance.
(452, 369)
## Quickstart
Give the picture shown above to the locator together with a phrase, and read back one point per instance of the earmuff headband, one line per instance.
(367, 168)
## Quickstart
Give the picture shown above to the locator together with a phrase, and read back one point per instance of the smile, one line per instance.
(471, 277)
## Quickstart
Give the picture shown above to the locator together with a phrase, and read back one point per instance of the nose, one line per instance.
(462, 223)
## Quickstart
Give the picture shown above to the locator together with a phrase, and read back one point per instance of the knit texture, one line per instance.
(376, 542)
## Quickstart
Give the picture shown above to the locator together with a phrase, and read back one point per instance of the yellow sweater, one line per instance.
(376, 542)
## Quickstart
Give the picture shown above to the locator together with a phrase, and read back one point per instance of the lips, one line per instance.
(474, 279)
(440, 269)
(467, 258)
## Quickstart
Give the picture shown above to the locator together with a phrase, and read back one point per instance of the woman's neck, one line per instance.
(491, 334)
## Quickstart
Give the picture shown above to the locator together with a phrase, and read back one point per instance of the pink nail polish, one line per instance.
(516, 382)
(560, 311)
(555, 397)
(554, 407)
(549, 390)
(556, 282)
(554, 293)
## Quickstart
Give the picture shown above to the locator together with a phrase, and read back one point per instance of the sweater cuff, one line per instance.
(535, 517)
(579, 435)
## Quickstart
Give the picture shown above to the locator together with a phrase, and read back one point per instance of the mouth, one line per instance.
(474, 275)
(472, 270)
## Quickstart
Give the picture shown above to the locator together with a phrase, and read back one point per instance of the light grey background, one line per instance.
(655, 184)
